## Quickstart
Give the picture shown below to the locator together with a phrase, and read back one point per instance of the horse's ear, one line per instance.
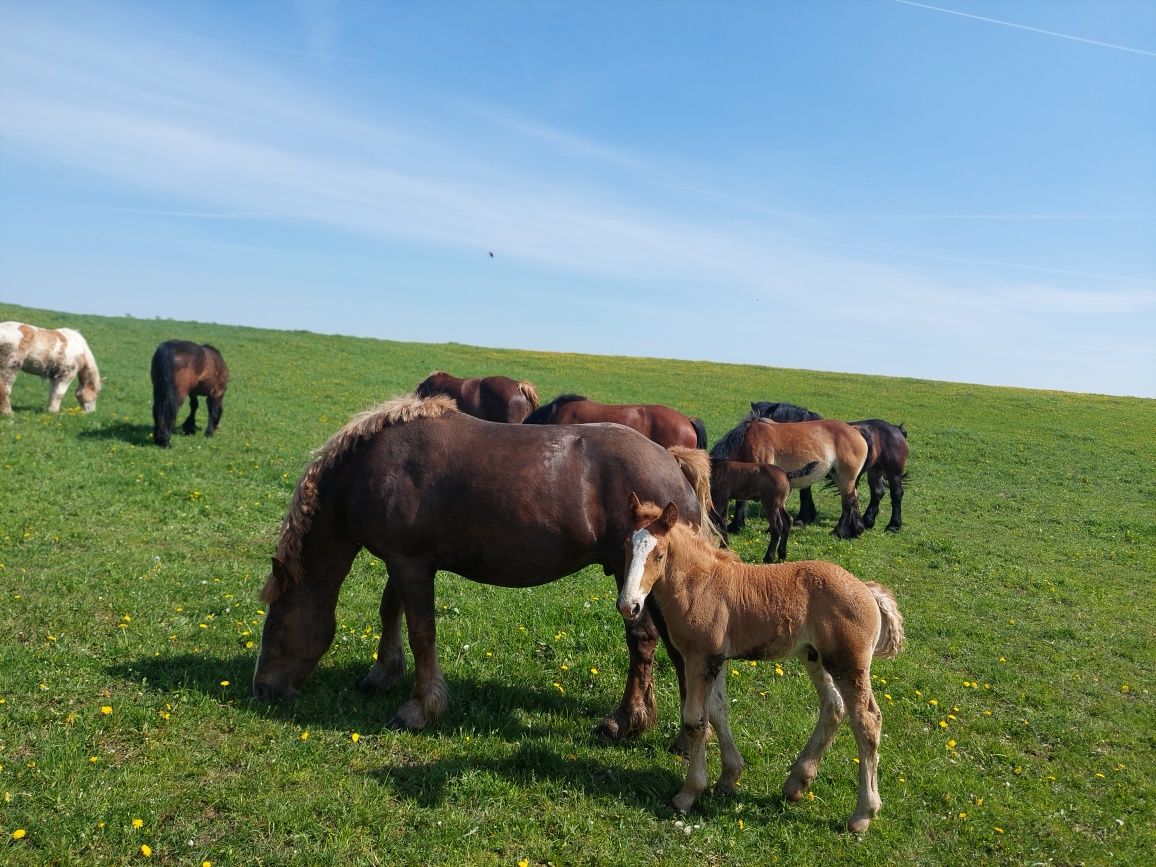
(281, 571)
(669, 515)
(635, 503)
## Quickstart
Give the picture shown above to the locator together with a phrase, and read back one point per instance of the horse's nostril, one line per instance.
(635, 609)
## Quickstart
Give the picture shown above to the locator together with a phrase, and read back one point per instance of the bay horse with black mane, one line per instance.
(666, 426)
(181, 368)
(58, 354)
(718, 608)
(494, 398)
(425, 487)
(887, 453)
(808, 451)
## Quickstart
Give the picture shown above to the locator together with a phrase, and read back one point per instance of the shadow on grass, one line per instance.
(330, 698)
(124, 431)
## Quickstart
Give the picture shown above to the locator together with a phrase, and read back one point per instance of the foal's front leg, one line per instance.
(701, 674)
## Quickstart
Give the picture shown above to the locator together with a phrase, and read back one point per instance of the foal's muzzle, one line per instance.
(629, 609)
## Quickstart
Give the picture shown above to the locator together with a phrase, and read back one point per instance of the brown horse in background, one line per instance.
(719, 608)
(181, 368)
(494, 398)
(666, 426)
(425, 487)
(770, 485)
(808, 450)
(887, 454)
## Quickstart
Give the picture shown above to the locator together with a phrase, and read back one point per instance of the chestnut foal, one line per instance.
(717, 608)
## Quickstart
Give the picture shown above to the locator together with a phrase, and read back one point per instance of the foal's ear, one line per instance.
(669, 516)
(635, 503)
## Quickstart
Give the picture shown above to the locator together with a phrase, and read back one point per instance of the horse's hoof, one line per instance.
(610, 731)
(366, 684)
(892, 528)
(682, 803)
(857, 825)
(397, 724)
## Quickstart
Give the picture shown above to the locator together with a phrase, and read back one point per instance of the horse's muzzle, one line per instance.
(265, 691)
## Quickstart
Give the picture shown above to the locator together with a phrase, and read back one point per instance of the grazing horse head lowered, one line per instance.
(58, 354)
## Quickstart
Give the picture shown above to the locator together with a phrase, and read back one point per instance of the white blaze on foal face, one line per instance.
(633, 595)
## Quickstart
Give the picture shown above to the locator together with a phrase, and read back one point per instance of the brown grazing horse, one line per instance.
(808, 451)
(181, 368)
(718, 608)
(494, 398)
(666, 426)
(886, 461)
(735, 480)
(426, 487)
(58, 354)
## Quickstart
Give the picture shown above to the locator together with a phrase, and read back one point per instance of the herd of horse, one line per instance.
(477, 477)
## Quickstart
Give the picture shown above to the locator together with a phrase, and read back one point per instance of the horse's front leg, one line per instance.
(190, 425)
(740, 518)
(414, 584)
(56, 390)
(638, 710)
(875, 483)
(389, 667)
(216, 406)
(808, 514)
(7, 377)
(700, 683)
(896, 485)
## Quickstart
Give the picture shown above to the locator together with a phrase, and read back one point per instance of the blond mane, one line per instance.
(400, 410)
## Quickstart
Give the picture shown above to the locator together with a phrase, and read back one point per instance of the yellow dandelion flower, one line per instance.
(19, 834)
(918, 693)
(997, 829)
(105, 709)
(224, 683)
(887, 696)
(146, 850)
(93, 759)
(741, 825)
(355, 737)
(594, 671)
(951, 744)
(963, 815)
(1125, 688)
(979, 802)
(810, 796)
(1099, 775)
(559, 687)
(1018, 771)
(304, 736)
(206, 864)
(565, 667)
(934, 702)
(249, 646)
(525, 862)
(943, 723)
(987, 713)
(138, 823)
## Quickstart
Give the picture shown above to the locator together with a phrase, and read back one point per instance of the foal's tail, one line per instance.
(695, 465)
(891, 637)
(165, 404)
(699, 433)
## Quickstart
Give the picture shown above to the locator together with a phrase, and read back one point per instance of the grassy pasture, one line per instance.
(1018, 725)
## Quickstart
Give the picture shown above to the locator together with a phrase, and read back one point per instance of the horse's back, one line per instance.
(505, 504)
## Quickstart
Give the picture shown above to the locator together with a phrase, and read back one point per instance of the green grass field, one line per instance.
(1018, 724)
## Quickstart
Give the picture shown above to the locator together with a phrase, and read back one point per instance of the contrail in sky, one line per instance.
(1030, 29)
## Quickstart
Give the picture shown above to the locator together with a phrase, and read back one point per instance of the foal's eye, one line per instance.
(658, 556)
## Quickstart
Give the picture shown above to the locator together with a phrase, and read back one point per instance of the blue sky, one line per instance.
(958, 190)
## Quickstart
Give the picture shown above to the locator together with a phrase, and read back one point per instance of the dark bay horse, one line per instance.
(814, 448)
(494, 398)
(886, 460)
(666, 426)
(425, 487)
(770, 485)
(181, 368)
(718, 608)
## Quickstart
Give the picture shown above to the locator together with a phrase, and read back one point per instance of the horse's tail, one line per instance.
(695, 465)
(865, 432)
(530, 393)
(891, 638)
(165, 404)
(699, 433)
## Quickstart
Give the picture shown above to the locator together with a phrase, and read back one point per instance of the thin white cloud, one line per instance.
(1039, 30)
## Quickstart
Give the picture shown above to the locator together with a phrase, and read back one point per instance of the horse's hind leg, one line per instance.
(190, 425)
(831, 712)
(896, 484)
(866, 722)
(808, 514)
(414, 584)
(216, 406)
(850, 524)
(389, 667)
(740, 519)
(732, 760)
(875, 483)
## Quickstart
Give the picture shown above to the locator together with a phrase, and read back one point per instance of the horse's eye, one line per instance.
(658, 556)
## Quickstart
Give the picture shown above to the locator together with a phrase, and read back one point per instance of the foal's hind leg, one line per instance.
(389, 667)
(831, 712)
(896, 484)
(866, 722)
(414, 583)
(740, 518)
(190, 425)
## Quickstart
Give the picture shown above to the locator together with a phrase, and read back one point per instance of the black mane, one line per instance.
(544, 413)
